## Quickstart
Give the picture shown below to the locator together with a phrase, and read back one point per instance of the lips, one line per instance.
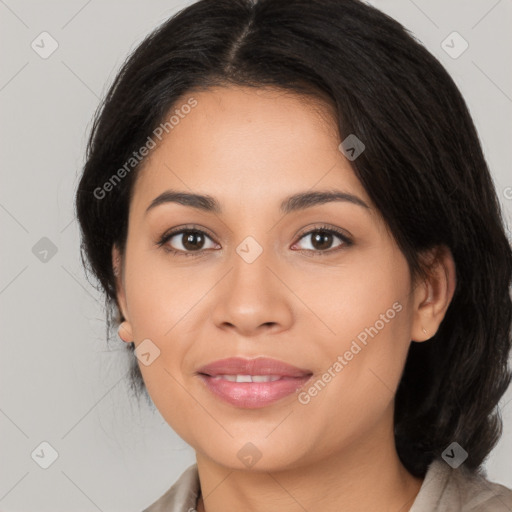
(258, 366)
(252, 383)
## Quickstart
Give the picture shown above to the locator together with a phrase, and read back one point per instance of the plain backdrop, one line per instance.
(59, 382)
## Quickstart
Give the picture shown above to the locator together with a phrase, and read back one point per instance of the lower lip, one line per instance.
(252, 395)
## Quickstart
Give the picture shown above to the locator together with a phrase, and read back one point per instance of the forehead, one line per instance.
(247, 145)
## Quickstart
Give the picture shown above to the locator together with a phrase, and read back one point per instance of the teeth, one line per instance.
(265, 378)
(243, 378)
(249, 378)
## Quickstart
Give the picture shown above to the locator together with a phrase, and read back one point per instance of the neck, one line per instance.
(363, 475)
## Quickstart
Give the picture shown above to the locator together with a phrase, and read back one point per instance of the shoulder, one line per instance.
(446, 489)
(478, 494)
(181, 496)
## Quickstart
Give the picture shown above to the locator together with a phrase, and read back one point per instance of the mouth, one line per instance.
(252, 383)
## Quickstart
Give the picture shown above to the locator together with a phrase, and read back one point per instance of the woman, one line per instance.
(301, 240)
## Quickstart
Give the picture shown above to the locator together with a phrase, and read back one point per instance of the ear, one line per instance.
(125, 328)
(432, 297)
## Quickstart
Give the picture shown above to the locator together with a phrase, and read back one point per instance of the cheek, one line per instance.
(162, 304)
(158, 294)
(369, 316)
(368, 288)
(358, 382)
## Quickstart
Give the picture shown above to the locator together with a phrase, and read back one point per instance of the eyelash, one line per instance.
(318, 252)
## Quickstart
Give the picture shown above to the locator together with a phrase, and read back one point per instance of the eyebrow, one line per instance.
(290, 204)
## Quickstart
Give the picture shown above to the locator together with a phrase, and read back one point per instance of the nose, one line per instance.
(253, 297)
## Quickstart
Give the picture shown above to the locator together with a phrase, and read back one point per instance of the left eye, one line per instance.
(322, 239)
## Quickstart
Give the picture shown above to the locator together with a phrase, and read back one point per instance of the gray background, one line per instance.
(59, 382)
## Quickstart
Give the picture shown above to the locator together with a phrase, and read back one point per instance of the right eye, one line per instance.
(188, 241)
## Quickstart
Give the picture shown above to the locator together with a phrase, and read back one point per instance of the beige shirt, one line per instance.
(444, 490)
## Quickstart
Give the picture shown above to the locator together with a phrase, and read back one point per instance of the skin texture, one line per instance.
(251, 148)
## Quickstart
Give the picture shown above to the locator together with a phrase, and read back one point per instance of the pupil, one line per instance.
(325, 238)
(189, 240)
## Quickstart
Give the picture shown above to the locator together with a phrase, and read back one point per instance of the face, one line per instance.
(320, 286)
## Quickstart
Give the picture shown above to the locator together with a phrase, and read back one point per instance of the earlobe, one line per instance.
(434, 297)
(124, 331)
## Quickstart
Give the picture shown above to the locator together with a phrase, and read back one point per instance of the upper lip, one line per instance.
(257, 366)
